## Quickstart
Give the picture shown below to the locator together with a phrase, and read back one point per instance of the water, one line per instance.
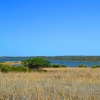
(60, 62)
(74, 63)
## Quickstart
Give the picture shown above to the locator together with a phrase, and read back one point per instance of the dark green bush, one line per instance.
(83, 66)
(63, 66)
(17, 69)
(4, 70)
(96, 66)
(1, 66)
(55, 66)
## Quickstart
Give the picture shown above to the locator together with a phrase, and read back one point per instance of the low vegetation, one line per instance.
(96, 66)
(58, 66)
(83, 66)
(56, 84)
(63, 66)
(55, 66)
(7, 68)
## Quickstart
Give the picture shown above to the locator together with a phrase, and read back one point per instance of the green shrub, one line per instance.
(63, 66)
(83, 66)
(4, 70)
(1, 66)
(55, 66)
(96, 66)
(17, 69)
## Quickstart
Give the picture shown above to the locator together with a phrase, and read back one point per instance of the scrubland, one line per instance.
(55, 84)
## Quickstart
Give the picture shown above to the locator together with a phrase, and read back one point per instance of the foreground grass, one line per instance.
(55, 84)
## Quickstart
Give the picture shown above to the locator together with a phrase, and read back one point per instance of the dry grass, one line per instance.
(10, 63)
(55, 84)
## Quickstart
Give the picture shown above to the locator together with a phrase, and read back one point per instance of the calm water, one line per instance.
(60, 62)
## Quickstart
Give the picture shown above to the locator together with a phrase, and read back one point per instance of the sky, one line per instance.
(49, 27)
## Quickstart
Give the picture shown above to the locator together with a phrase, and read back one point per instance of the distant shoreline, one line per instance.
(63, 58)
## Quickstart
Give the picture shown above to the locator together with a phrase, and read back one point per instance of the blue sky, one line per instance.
(49, 27)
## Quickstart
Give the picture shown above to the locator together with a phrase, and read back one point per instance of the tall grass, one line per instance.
(55, 84)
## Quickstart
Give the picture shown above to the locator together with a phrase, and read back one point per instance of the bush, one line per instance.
(63, 66)
(83, 66)
(55, 66)
(1, 66)
(4, 70)
(17, 69)
(96, 66)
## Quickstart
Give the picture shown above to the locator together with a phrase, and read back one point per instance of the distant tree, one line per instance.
(36, 63)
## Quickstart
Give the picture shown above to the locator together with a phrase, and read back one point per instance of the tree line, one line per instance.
(70, 58)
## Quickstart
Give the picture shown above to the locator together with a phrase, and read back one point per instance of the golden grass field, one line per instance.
(55, 84)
